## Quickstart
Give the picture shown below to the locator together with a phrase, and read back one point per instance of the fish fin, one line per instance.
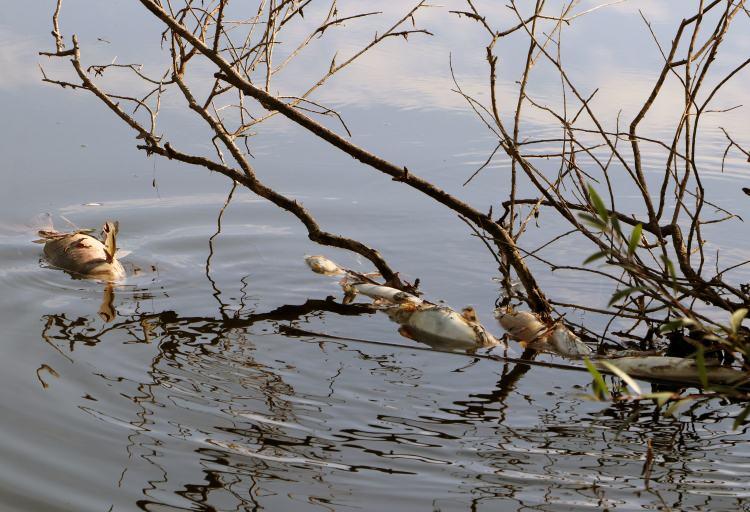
(470, 314)
(69, 222)
(406, 333)
(122, 253)
(107, 310)
(42, 222)
(349, 296)
(49, 235)
(109, 232)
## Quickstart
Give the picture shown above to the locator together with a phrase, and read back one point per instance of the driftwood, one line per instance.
(676, 369)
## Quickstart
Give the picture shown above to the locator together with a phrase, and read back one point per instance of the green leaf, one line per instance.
(593, 221)
(670, 268)
(700, 363)
(672, 409)
(736, 321)
(741, 417)
(661, 397)
(625, 292)
(632, 384)
(618, 228)
(635, 238)
(600, 387)
(676, 324)
(595, 256)
(598, 204)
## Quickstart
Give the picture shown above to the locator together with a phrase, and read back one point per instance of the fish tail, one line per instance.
(109, 231)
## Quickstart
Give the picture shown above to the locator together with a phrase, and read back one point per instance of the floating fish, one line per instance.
(378, 292)
(84, 255)
(531, 332)
(322, 265)
(441, 326)
(435, 325)
(520, 325)
(565, 342)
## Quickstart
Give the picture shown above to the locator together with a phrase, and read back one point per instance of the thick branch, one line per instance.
(247, 178)
(535, 296)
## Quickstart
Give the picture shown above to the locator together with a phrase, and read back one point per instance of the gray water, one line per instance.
(207, 390)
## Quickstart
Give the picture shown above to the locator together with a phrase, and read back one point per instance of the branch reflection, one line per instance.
(229, 413)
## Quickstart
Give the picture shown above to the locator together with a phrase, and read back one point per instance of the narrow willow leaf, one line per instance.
(618, 228)
(661, 397)
(593, 221)
(676, 324)
(590, 397)
(741, 417)
(596, 256)
(672, 409)
(625, 292)
(598, 204)
(600, 387)
(670, 268)
(635, 238)
(700, 362)
(632, 384)
(737, 318)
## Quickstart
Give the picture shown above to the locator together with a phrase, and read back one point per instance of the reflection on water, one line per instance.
(193, 386)
(229, 415)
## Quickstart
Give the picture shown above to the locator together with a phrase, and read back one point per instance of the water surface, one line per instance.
(192, 387)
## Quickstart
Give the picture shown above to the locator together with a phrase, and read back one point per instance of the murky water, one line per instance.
(206, 391)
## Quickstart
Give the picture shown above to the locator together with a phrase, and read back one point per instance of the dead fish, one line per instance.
(84, 255)
(422, 320)
(531, 332)
(440, 326)
(322, 265)
(520, 325)
(566, 343)
(419, 319)
(378, 292)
